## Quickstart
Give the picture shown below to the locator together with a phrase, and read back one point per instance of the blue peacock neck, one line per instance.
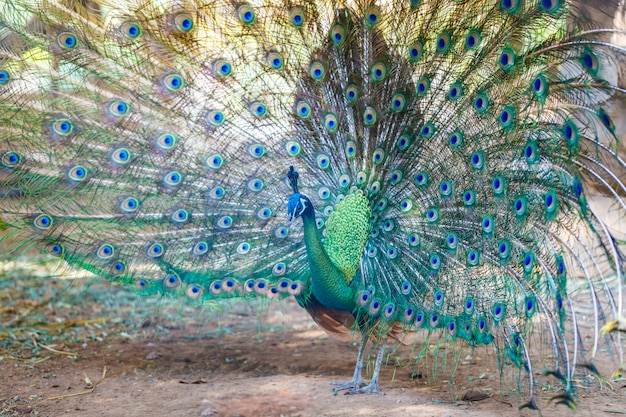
(328, 284)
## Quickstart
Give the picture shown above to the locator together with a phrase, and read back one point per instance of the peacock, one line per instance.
(435, 159)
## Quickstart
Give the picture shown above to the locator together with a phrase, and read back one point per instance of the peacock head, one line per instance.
(298, 204)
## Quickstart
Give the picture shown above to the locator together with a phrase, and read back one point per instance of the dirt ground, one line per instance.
(56, 341)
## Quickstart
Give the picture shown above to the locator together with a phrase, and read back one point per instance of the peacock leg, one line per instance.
(372, 387)
(357, 378)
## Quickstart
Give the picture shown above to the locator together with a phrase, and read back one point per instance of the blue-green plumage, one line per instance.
(442, 154)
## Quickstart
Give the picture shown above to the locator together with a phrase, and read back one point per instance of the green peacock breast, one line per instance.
(347, 230)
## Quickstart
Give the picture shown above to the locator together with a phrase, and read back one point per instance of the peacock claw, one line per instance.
(371, 388)
(350, 385)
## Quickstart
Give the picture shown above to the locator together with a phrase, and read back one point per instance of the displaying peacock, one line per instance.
(438, 152)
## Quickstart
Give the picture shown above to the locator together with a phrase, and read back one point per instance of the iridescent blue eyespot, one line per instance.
(432, 215)
(56, 249)
(200, 248)
(322, 160)
(180, 216)
(258, 109)
(121, 156)
(378, 72)
(172, 178)
(141, 284)
(330, 122)
(421, 179)
(183, 22)
(264, 213)
(469, 198)
(216, 118)
(415, 51)
(194, 291)
(281, 232)
(244, 248)
(293, 148)
(105, 251)
(396, 176)
(507, 59)
(214, 162)
(297, 16)
(446, 188)
(173, 82)
(5, 77)
(11, 159)
(509, 6)
(118, 268)
(473, 258)
(156, 250)
(369, 116)
(255, 184)
(77, 173)
(119, 108)
(67, 40)
(570, 134)
(352, 93)
(435, 262)
(529, 262)
(63, 127)
(456, 91)
(531, 153)
(498, 185)
(590, 62)
(303, 109)
(478, 160)
(452, 241)
(131, 30)
(317, 70)
(481, 103)
(275, 60)
(404, 141)
(222, 68)
(504, 249)
(166, 141)
(443, 43)
(43, 222)
(423, 85)
(473, 39)
(246, 14)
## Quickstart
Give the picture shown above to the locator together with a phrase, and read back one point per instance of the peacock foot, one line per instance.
(355, 383)
(371, 388)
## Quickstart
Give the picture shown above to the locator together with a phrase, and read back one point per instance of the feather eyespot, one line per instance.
(180, 216)
(183, 23)
(121, 156)
(118, 108)
(156, 250)
(338, 34)
(222, 68)
(5, 77)
(297, 16)
(62, 127)
(77, 173)
(11, 159)
(275, 60)
(131, 30)
(172, 179)
(173, 82)
(200, 248)
(67, 40)
(56, 249)
(246, 14)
